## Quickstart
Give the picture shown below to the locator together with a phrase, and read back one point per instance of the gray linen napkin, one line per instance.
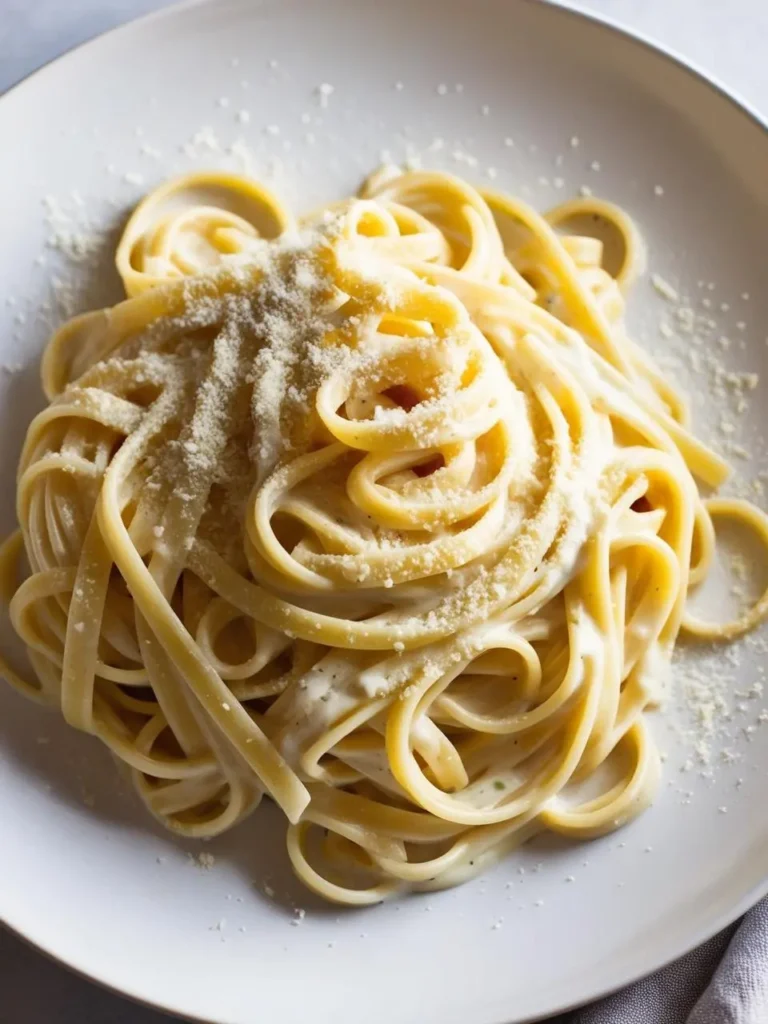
(725, 981)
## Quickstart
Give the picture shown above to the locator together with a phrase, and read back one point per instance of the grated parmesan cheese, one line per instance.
(664, 288)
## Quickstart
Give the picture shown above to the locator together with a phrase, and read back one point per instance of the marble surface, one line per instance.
(720, 38)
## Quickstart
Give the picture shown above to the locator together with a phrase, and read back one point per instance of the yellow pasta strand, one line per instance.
(381, 512)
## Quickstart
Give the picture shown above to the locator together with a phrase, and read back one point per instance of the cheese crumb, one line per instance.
(203, 860)
(325, 91)
(664, 288)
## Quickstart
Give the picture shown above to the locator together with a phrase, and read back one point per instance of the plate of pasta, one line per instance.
(386, 541)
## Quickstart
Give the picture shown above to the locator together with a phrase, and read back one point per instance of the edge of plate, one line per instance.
(753, 895)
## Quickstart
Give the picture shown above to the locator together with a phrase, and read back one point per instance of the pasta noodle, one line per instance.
(381, 513)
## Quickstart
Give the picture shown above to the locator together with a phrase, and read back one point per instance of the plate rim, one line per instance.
(653, 47)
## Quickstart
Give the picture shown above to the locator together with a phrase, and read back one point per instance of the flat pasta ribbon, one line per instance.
(381, 512)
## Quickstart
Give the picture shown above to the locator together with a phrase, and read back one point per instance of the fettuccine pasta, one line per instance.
(381, 513)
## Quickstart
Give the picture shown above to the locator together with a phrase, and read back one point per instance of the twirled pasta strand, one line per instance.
(382, 513)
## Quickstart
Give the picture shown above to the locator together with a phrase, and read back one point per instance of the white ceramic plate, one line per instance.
(83, 873)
